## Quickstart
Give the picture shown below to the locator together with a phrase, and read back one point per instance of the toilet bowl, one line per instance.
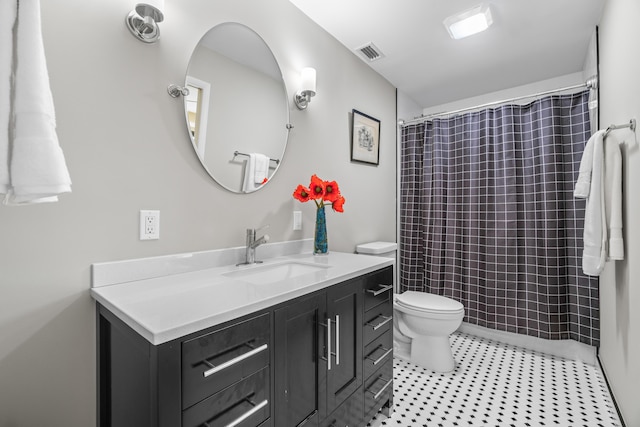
(425, 321)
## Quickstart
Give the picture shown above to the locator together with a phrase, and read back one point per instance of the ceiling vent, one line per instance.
(370, 52)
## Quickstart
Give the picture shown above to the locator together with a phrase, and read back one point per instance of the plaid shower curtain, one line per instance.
(488, 217)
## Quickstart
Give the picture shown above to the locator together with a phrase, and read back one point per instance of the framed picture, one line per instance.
(365, 138)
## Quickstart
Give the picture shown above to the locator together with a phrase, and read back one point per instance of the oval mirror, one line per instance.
(237, 109)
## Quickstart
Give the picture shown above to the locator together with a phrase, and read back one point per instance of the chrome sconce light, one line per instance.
(302, 98)
(143, 20)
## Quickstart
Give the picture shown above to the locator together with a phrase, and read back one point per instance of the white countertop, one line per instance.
(162, 309)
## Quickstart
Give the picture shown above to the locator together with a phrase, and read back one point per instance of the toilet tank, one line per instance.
(382, 249)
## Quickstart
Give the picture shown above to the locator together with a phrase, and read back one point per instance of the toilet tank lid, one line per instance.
(423, 300)
(376, 248)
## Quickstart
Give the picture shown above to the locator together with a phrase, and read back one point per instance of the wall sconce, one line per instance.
(302, 98)
(143, 20)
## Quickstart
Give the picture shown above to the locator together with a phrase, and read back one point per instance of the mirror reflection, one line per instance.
(237, 111)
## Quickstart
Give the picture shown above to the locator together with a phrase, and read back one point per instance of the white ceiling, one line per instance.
(529, 41)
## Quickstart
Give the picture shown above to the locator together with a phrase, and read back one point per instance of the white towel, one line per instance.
(8, 10)
(583, 184)
(248, 182)
(613, 199)
(38, 169)
(255, 172)
(600, 182)
(594, 234)
(261, 171)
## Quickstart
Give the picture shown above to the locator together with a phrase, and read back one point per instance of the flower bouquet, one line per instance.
(322, 193)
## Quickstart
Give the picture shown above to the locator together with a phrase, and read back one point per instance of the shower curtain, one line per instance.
(488, 217)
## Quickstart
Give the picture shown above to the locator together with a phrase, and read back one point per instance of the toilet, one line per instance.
(422, 322)
(425, 321)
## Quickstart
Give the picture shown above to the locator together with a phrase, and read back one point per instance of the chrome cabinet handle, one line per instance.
(225, 365)
(329, 344)
(247, 414)
(381, 358)
(337, 354)
(386, 320)
(377, 395)
(381, 290)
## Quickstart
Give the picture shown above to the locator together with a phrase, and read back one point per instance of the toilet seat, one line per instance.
(429, 303)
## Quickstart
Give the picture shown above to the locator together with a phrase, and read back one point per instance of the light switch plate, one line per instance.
(297, 220)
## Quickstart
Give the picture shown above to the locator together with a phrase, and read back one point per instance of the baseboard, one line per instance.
(569, 349)
(613, 398)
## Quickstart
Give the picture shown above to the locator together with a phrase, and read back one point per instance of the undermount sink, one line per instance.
(272, 273)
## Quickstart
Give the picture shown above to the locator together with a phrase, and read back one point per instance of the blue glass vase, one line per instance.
(320, 243)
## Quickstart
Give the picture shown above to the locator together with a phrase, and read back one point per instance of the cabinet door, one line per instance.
(300, 379)
(344, 307)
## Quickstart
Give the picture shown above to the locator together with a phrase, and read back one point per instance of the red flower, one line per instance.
(320, 192)
(338, 203)
(302, 193)
(316, 187)
(331, 191)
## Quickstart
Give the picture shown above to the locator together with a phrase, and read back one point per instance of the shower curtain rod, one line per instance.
(591, 84)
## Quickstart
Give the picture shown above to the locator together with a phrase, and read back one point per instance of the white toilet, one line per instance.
(422, 322)
(425, 321)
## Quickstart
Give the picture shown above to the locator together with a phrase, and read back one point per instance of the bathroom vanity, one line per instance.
(298, 340)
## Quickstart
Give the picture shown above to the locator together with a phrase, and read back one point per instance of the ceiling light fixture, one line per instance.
(469, 22)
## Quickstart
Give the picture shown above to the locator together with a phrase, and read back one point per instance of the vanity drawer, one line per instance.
(214, 361)
(247, 403)
(378, 389)
(377, 321)
(377, 353)
(378, 288)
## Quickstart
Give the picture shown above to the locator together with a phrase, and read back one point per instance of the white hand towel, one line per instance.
(38, 169)
(583, 183)
(8, 10)
(595, 235)
(613, 198)
(248, 182)
(261, 168)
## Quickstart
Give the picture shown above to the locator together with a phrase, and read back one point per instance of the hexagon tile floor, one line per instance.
(500, 385)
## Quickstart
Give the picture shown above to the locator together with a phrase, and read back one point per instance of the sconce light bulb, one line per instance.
(307, 88)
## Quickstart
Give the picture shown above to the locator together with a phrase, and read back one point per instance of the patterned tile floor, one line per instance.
(497, 384)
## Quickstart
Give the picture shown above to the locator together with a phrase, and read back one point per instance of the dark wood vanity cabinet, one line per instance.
(318, 341)
(323, 359)
(378, 342)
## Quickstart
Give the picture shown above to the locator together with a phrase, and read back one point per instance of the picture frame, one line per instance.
(365, 138)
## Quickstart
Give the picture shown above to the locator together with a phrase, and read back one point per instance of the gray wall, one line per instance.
(127, 149)
(620, 281)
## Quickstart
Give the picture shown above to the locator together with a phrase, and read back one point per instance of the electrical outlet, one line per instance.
(149, 225)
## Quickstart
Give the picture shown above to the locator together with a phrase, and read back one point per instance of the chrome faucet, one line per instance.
(252, 244)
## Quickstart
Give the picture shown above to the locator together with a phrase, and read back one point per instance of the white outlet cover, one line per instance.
(149, 225)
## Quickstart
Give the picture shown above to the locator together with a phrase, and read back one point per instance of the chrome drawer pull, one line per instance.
(328, 325)
(387, 351)
(337, 339)
(386, 320)
(387, 384)
(381, 290)
(225, 365)
(247, 414)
